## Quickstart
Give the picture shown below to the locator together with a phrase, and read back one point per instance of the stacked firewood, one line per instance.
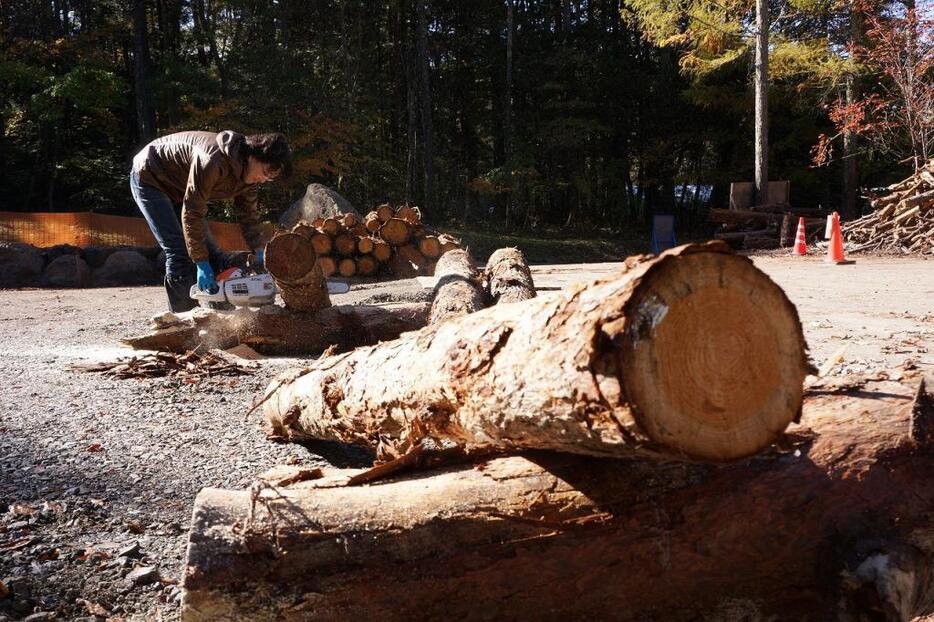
(388, 241)
(903, 220)
(765, 226)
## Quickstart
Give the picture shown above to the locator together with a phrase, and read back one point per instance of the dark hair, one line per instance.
(271, 149)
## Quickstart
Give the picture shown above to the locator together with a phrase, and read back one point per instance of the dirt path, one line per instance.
(92, 467)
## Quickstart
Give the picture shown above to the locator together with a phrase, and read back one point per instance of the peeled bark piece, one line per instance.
(694, 354)
(396, 231)
(508, 277)
(278, 331)
(292, 262)
(384, 212)
(584, 538)
(328, 266)
(347, 267)
(430, 247)
(458, 290)
(322, 243)
(345, 244)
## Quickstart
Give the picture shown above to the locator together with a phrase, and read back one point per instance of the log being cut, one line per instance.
(695, 354)
(835, 523)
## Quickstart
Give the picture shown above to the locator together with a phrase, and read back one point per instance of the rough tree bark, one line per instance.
(428, 151)
(458, 289)
(279, 331)
(145, 112)
(691, 354)
(507, 276)
(847, 494)
(762, 101)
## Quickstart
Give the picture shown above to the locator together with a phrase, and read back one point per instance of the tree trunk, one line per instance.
(762, 101)
(850, 146)
(507, 95)
(694, 354)
(145, 114)
(428, 154)
(543, 536)
(507, 276)
(458, 290)
(282, 332)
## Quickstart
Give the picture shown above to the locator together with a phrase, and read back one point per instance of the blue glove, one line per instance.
(206, 280)
(260, 256)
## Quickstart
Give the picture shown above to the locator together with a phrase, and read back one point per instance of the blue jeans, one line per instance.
(160, 213)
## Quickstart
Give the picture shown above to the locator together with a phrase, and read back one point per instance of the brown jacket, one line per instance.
(193, 168)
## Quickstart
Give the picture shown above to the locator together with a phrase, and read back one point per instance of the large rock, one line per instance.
(319, 202)
(125, 268)
(20, 264)
(67, 271)
(52, 253)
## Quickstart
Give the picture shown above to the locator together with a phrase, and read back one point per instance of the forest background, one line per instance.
(561, 115)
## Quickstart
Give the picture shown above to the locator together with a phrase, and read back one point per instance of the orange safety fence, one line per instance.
(90, 229)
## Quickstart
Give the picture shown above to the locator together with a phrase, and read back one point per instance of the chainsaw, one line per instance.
(249, 290)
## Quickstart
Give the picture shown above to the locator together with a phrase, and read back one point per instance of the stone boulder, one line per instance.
(52, 253)
(67, 271)
(125, 267)
(95, 256)
(319, 202)
(20, 264)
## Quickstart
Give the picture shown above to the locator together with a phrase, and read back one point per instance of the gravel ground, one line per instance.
(98, 475)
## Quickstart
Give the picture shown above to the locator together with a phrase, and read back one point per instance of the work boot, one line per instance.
(178, 291)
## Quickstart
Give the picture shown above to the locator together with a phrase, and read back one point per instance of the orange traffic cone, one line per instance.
(835, 248)
(801, 244)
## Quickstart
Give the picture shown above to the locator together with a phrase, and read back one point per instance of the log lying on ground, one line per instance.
(692, 354)
(278, 331)
(565, 537)
(508, 277)
(458, 290)
(292, 262)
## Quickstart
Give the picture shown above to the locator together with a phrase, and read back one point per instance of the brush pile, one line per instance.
(902, 220)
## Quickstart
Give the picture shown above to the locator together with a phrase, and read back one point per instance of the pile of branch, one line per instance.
(191, 365)
(903, 220)
(391, 242)
(765, 226)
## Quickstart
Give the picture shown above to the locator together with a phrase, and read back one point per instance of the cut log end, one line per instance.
(713, 357)
(289, 256)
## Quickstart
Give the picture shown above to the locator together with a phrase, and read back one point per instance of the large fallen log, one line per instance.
(508, 277)
(275, 330)
(847, 495)
(692, 354)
